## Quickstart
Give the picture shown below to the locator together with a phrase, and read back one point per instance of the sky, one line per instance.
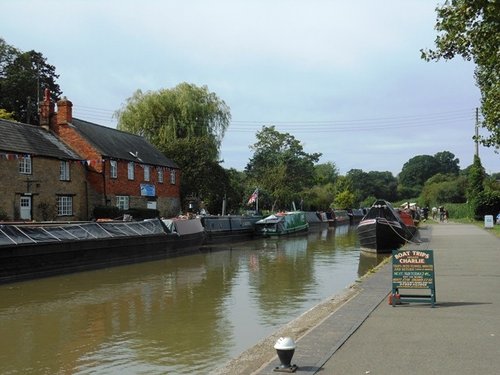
(345, 78)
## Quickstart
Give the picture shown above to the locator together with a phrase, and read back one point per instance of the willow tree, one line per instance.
(183, 112)
(470, 28)
(187, 123)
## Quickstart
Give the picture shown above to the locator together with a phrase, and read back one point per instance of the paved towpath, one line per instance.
(460, 335)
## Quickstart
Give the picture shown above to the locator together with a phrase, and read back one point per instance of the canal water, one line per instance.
(185, 315)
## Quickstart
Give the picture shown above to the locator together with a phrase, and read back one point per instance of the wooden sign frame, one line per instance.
(413, 270)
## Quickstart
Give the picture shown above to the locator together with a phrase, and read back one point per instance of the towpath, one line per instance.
(460, 335)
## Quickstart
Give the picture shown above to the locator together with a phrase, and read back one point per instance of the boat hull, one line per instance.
(267, 232)
(381, 235)
(36, 260)
(219, 229)
(382, 229)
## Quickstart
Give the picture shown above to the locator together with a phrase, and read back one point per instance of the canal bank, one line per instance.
(358, 332)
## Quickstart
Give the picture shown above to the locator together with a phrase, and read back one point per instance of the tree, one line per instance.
(318, 198)
(344, 197)
(475, 178)
(444, 188)
(7, 55)
(483, 194)
(357, 179)
(203, 179)
(184, 112)
(475, 186)
(448, 163)
(470, 28)
(373, 183)
(187, 123)
(236, 191)
(23, 76)
(6, 115)
(280, 166)
(383, 185)
(325, 173)
(417, 170)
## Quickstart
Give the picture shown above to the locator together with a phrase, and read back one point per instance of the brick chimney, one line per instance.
(46, 110)
(64, 112)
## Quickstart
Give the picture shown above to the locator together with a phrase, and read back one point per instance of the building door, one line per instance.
(25, 208)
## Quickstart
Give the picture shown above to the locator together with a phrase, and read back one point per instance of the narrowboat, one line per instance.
(228, 227)
(29, 251)
(282, 224)
(382, 229)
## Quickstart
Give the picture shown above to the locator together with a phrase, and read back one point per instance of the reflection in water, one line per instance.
(369, 260)
(183, 315)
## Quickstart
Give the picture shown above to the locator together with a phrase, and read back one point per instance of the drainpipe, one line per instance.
(104, 181)
(86, 188)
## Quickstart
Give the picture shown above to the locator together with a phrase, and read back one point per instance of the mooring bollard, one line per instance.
(285, 348)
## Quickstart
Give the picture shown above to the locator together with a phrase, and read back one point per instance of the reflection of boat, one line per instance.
(368, 261)
(355, 215)
(341, 217)
(282, 223)
(382, 229)
(228, 228)
(337, 217)
(295, 246)
(33, 251)
(341, 230)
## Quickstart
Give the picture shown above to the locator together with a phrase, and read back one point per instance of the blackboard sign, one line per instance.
(413, 269)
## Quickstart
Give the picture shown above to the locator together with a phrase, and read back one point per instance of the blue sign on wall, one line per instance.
(148, 190)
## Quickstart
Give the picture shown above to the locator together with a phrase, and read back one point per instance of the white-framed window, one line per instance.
(25, 164)
(147, 173)
(65, 205)
(172, 176)
(64, 170)
(113, 166)
(122, 202)
(131, 172)
(160, 175)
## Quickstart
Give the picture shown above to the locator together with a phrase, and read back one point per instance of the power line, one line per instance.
(375, 119)
(320, 126)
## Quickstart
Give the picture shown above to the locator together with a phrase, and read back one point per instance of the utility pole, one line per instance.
(28, 110)
(477, 132)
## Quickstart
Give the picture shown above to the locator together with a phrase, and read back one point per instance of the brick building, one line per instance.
(106, 167)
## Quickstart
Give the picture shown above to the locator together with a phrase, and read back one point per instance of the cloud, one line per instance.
(287, 62)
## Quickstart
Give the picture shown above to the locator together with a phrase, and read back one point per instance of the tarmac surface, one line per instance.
(367, 335)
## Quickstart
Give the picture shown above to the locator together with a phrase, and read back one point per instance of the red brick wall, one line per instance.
(123, 186)
(103, 188)
(74, 140)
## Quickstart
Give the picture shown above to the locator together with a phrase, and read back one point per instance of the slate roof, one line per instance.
(21, 138)
(113, 143)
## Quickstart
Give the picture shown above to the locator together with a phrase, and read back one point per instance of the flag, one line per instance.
(253, 197)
